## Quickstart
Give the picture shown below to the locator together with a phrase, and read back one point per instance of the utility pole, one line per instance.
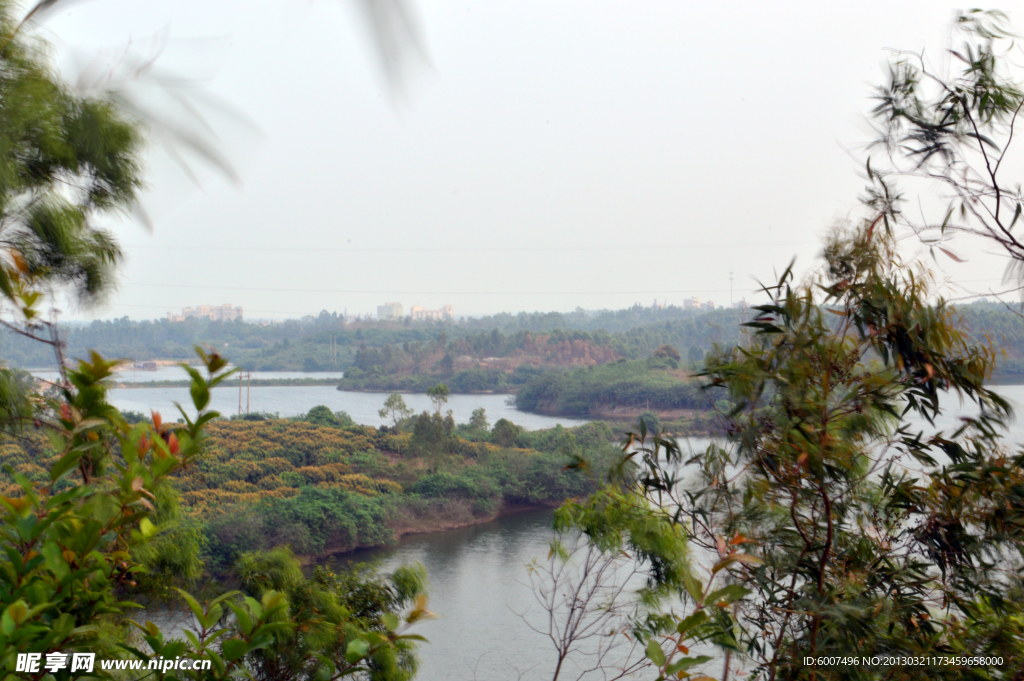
(248, 375)
(239, 393)
(730, 289)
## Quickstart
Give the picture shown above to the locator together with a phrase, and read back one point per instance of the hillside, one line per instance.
(475, 363)
(619, 389)
(325, 487)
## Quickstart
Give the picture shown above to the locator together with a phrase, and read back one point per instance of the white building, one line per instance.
(221, 313)
(420, 314)
(389, 311)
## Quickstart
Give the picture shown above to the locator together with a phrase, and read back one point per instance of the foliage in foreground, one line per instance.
(838, 527)
(81, 544)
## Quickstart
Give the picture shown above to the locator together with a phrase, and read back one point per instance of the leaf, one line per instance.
(193, 604)
(728, 594)
(200, 394)
(655, 654)
(234, 648)
(954, 257)
(694, 586)
(356, 650)
(692, 621)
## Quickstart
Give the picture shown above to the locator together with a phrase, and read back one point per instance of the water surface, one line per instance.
(296, 400)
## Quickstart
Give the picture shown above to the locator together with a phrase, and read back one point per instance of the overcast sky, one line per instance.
(553, 155)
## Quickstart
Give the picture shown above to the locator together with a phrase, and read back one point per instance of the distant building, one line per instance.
(220, 313)
(691, 303)
(708, 305)
(420, 314)
(390, 311)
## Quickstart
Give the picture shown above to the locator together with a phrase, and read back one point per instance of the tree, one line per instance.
(432, 437)
(396, 408)
(953, 129)
(329, 613)
(585, 596)
(79, 545)
(478, 420)
(70, 161)
(695, 354)
(505, 432)
(447, 365)
(667, 352)
(862, 533)
(439, 396)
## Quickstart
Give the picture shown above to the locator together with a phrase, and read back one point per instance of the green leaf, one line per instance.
(356, 650)
(147, 528)
(200, 394)
(193, 605)
(685, 663)
(655, 654)
(729, 594)
(694, 586)
(692, 621)
(234, 648)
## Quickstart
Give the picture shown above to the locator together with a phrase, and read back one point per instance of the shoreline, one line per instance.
(309, 560)
(254, 383)
(406, 391)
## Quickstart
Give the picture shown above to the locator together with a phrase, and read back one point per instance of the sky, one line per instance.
(545, 156)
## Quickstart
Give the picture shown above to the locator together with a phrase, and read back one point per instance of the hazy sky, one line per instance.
(552, 155)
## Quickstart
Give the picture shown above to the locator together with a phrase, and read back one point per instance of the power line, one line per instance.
(485, 249)
(429, 293)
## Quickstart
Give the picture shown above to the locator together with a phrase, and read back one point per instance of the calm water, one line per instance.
(479, 587)
(478, 584)
(480, 590)
(295, 400)
(478, 575)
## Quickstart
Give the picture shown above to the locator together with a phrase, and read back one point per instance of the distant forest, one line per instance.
(326, 343)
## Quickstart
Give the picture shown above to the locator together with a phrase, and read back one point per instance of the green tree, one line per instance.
(505, 432)
(332, 615)
(846, 549)
(667, 352)
(322, 416)
(478, 420)
(439, 396)
(68, 161)
(396, 408)
(952, 129)
(695, 355)
(447, 365)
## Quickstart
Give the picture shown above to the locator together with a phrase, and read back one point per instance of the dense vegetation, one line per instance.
(654, 384)
(321, 486)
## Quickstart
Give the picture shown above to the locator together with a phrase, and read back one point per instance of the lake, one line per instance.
(478, 575)
(479, 586)
(296, 400)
